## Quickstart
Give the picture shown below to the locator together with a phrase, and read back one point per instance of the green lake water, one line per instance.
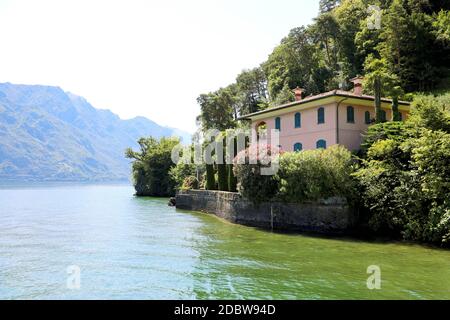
(139, 248)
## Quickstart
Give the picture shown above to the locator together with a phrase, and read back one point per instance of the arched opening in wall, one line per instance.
(321, 144)
(261, 131)
(298, 147)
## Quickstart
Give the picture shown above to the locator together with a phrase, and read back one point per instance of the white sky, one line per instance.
(142, 58)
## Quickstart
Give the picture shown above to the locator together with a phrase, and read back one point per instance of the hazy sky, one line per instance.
(142, 58)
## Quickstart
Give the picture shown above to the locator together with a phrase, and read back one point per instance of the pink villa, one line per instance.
(334, 117)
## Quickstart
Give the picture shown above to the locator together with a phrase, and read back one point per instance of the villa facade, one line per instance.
(335, 117)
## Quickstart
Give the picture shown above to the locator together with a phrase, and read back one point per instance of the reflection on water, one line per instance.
(139, 248)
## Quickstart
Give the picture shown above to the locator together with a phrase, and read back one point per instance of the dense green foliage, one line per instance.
(316, 174)
(232, 180)
(187, 175)
(409, 52)
(301, 176)
(222, 177)
(389, 130)
(405, 176)
(152, 166)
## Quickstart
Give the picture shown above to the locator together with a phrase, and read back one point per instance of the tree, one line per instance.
(408, 44)
(349, 16)
(151, 166)
(216, 111)
(252, 90)
(296, 62)
(327, 5)
(232, 180)
(222, 177)
(441, 25)
(380, 81)
(396, 92)
(431, 112)
(412, 45)
(404, 176)
(326, 30)
(210, 178)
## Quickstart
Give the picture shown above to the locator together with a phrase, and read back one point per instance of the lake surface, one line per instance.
(139, 248)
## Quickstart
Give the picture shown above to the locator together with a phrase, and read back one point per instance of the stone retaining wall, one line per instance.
(332, 216)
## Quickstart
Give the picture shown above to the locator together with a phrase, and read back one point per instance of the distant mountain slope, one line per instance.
(49, 134)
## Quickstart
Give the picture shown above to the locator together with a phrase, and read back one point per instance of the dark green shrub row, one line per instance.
(301, 176)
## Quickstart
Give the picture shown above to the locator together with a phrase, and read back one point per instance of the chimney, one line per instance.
(357, 85)
(298, 93)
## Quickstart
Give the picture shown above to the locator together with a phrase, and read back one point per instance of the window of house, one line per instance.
(298, 147)
(383, 116)
(261, 130)
(321, 115)
(321, 144)
(350, 114)
(367, 117)
(400, 116)
(278, 123)
(298, 120)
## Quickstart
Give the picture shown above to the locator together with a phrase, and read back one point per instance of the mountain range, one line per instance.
(47, 134)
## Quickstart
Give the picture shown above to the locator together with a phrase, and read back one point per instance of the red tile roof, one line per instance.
(340, 93)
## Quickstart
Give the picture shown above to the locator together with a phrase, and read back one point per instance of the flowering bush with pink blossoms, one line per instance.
(255, 169)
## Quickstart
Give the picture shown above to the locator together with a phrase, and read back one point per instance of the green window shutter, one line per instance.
(298, 147)
(350, 114)
(298, 120)
(278, 123)
(321, 144)
(367, 117)
(321, 115)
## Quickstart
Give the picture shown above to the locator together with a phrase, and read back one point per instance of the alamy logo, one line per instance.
(74, 278)
(374, 280)
(237, 146)
(374, 19)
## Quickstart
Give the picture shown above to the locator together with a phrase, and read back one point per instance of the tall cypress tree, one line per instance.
(377, 93)
(210, 178)
(232, 180)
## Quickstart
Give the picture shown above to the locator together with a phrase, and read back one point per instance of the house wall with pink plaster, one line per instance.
(348, 135)
(309, 132)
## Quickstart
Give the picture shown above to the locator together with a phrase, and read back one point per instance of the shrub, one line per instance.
(431, 164)
(248, 167)
(181, 171)
(190, 183)
(314, 174)
(381, 131)
(404, 180)
(431, 113)
(383, 182)
(406, 186)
